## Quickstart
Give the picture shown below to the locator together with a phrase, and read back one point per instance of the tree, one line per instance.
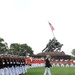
(20, 49)
(14, 48)
(73, 52)
(3, 46)
(26, 50)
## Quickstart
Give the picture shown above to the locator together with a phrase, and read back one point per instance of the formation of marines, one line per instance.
(16, 65)
(63, 63)
(12, 65)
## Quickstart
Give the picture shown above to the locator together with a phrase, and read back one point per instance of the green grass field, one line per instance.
(54, 71)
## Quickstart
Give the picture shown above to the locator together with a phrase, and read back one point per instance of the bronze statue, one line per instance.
(52, 45)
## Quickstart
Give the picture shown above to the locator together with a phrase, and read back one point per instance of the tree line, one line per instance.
(15, 48)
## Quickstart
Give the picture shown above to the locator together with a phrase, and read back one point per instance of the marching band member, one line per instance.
(6, 69)
(67, 63)
(71, 63)
(57, 63)
(53, 62)
(62, 62)
(2, 64)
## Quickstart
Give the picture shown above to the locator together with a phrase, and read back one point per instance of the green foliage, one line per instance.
(3, 46)
(15, 48)
(20, 49)
(72, 57)
(26, 49)
(54, 71)
(73, 52)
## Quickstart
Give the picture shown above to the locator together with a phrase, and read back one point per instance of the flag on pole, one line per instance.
(52, 28)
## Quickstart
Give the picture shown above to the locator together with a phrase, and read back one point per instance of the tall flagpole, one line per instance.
(53, 34)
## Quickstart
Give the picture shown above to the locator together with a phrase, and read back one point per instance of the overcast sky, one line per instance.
(26, 21)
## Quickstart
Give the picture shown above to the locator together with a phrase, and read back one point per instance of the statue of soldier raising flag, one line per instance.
(53, 44)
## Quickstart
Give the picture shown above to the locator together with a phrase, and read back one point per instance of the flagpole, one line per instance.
(53, 33)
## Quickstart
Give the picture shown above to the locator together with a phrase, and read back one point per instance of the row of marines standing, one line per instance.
(12, 65)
